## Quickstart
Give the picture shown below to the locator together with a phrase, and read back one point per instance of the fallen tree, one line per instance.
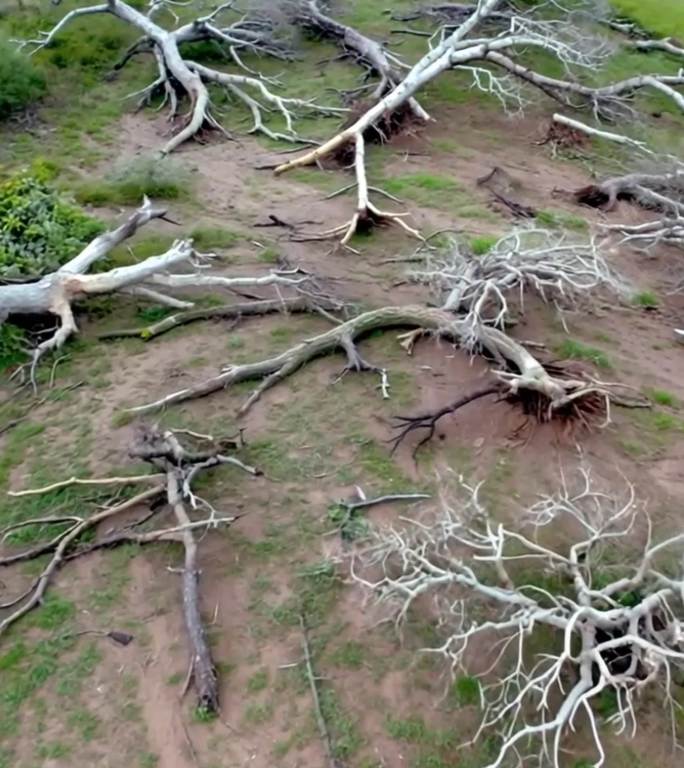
(370, 54)
(544, 631)
(476, 308)
(180, 78)
(466, 48)
(55, 293)
(662, 193)
(169, 487)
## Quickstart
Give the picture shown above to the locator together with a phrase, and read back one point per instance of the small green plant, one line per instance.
(269, 255)
(351, 654)
(646, 300)
(13, 345)
(482, 244)
(129, 183)
(662, 397)
(575, 350)
(206, 238)
(465, 691)
(147, 760)
(606, 703)
(20, 82)
(204, 715)
(561, 220)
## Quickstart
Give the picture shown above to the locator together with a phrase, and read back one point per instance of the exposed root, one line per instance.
(460, 48)
(518, 370)
(405, 425)
(656, 191)
(180, 79)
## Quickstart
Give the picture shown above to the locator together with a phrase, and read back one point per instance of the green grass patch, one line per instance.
(207, 238)
(561, 220)
(570, 349)
(258, 681)
(661, 17)
(483, 244)
(351, 654)
(426, 189)
(344, 732)
(465, 691)
(663, 397)
(646, 300)
(20, 82)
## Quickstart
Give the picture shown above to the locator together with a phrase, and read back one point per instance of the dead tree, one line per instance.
(467, 49)
(370, 54)
(616, 629)
(662, 193)
(180, 78)
(475, 300)
(176, 466)
(55, 293)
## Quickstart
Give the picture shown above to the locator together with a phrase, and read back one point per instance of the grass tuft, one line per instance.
(575, 350)
(646, 300)
(128, 183)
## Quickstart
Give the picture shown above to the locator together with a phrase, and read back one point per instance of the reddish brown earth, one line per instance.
(251, 570)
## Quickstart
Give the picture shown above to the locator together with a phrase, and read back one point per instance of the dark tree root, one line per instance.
(405, 425)
(582, 413)
(178, 465)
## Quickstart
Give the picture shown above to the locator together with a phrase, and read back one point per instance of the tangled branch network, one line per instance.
(615, 626)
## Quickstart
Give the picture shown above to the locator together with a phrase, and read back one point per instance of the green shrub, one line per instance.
(12, 345)
(20, 82)
(159, 179)
(39, 230)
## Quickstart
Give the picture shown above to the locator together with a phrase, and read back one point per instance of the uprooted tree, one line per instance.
(545, 630)
(180, 79)
(476, 303)
(493, 56)
(177, 459)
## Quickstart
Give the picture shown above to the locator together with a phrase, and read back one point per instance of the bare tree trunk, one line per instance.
(203, 669)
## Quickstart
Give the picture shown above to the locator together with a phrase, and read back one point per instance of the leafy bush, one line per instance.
(159, 179)
(39, 231)
(12, 345)
(20, 82)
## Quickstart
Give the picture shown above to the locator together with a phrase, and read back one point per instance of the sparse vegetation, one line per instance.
(128, 183)
(646, 300)
(663, 397)
(571, 349)
(561, 220)
(482, 244)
